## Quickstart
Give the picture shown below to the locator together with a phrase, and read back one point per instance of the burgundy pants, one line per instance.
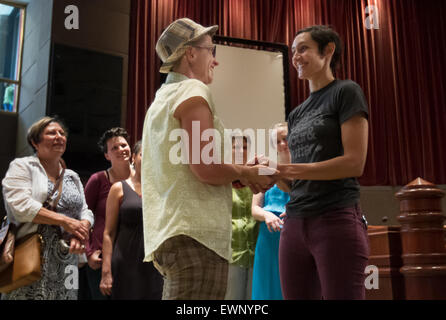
(324, 256)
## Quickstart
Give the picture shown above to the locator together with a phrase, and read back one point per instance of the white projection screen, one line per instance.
(250, 85)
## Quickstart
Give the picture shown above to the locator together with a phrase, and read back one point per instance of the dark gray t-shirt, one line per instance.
(314, 135)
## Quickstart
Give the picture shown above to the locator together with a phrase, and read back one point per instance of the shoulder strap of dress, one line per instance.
(59, 188)
(126, 188)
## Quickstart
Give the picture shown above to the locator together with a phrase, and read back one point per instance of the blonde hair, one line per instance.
(278, 126)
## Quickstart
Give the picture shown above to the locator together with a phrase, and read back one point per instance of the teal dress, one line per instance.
(266, 279)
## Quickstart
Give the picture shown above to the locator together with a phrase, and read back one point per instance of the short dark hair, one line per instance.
(36, 129)
(323, 35)
(110, 133)
(137, 147)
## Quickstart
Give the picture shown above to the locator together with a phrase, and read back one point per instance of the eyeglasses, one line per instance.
(212, 49)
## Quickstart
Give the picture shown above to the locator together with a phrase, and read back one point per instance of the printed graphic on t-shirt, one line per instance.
(315, 135)
(303, 136)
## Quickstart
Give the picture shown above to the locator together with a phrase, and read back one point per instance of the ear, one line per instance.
(34, 145)
(106, 156)
(190, 54)
(330, 49)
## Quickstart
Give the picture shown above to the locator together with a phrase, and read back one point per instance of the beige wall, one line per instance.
(248, 92)
(380, 202)
(248, 88)
(103, 26)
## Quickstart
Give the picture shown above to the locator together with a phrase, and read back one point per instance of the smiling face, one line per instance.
(118, 150)
(202, 62)
(53, 142)
(308, 61)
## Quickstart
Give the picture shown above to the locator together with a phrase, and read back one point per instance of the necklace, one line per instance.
(113, 176)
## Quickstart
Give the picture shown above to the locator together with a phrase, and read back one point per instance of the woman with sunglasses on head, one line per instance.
(324, 245)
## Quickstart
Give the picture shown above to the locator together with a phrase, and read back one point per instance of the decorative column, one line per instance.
(423, 240)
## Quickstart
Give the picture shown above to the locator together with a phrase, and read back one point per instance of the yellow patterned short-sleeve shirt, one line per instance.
(175, 202)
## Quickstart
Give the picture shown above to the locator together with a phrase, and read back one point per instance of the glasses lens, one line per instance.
(214, 51)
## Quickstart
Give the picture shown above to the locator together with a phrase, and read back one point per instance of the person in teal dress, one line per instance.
(267, 207)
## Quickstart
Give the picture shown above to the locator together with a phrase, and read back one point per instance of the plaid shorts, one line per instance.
(191, 271)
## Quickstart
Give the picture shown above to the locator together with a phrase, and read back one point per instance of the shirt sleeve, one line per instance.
(192, 88)
(91, 198)
(17, 192)
(91, 191)
(351, 102)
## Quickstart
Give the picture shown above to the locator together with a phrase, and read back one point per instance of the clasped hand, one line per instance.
(259, 176)
(80, 231)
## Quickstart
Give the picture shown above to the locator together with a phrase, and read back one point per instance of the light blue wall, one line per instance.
(35, 69)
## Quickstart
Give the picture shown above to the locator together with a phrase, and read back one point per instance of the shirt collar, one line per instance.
(36, 160)
(173, 77)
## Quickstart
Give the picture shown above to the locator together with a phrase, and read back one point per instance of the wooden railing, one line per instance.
(411, 258)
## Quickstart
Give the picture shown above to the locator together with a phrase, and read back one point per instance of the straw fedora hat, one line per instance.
(174, 39)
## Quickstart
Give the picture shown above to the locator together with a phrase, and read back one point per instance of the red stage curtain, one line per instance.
(400, 67)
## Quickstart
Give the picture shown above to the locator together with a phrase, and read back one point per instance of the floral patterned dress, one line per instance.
(59, 279)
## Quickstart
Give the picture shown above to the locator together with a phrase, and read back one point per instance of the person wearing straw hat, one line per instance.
(187, 206)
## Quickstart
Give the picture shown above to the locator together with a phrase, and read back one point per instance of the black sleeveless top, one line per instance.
(132, 278)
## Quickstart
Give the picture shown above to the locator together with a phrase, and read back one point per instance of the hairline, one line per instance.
(36, 135)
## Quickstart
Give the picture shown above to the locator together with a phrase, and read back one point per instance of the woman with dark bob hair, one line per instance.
(323, 245)
(28, 184)
(115, 147)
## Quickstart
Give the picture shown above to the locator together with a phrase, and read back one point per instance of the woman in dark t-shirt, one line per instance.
(324, 246)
